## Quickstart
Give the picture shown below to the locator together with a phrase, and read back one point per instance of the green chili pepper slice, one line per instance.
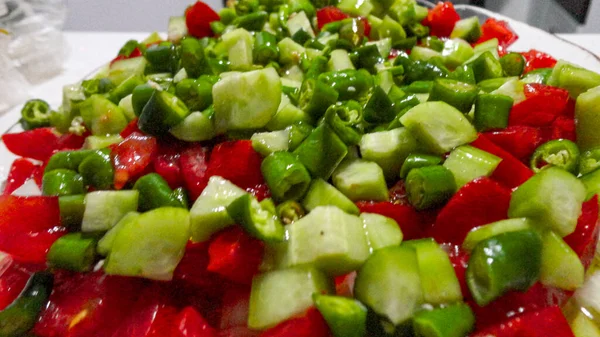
(589, 161)
(415, 160)
(429, 186)
(73, 252)
(562, 153)
(513, 64)
(290, 211)
(61, 182)
(35, 114)
(345, 120)
(346, 317)
(286, 176)
(257, 218)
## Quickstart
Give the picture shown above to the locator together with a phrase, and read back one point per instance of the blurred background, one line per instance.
(557, 16)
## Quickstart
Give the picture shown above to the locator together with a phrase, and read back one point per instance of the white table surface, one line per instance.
(90, 50)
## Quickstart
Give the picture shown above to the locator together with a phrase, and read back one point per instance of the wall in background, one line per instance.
(126, 15)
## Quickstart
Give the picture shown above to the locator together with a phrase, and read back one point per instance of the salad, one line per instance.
(308, 168)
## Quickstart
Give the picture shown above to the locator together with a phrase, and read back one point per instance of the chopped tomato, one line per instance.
(441, 19)
(520, 141)
(460, 260)
(536, 59)
(344, 284)
(192, 270)
(562, 128)
(193, 162)
(166, 163)
(405, 215)
(87, 305)
(542, 106)
(260, 191)
(235, 307)
(189, 323)
(235, 255)
(237, 162)
(583, 240)
(134, 53)
(310, 324)
(542, 323)
(37, 144)
(21, 170)
(132, 156)
(13, 277)
(493, 28)
(510, 172)
(198, 18)
(329, 14)
(366, 24)
(29, 226)
(479, 202)
(131, 128)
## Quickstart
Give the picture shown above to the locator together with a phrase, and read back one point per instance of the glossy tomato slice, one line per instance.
(193, 163)
(330, 14)
(405, 215)
(585, 237)
(189, 323)
(37, 144)
(441, 19)
(235, 255)
(21, 170)
(13, 277)
(238, 162)
(198, 18)
(132, 156)
(310, 324)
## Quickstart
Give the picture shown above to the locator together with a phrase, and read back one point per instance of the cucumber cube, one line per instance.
(468, 163)
(209, 213)
(328, 238)
(552, 199)
(151, 246)
(321, 152)
(102, 116)
(279, 295)
(388, 149)
(561, 267)
(103, 209)
(587, 114)
(389, 283)
(467, 29)
(381, 230)
(106, 243)
(240, 43)
(266, 143)
(485, 232)
(361, 180)
(438, 126)
(321, 193)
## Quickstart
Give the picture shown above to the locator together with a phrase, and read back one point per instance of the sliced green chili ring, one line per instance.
(265, 47)
(492, 111)
(193, 59)
(321, 152)
(259, 221)
(458, 94)
(301, 37)
(508, 261)
(290, 211)
(35, 114)
(61, 182)
(154, 193)
(298, 133)
(455, 320)
(513, 64)
(71, 208)
(253, 21)
(429, 186)
(97, 170)
(379, 107)
(405, 44)
(21, 315)
(140, 96)
(346, 317)
(196, 94)
(589, 161)
(316, 97)
(368, 57)
(73, 252)
(345, 120)
(286, 176)
(159, 56)
(316, 66)
(418, 87)
(418, 30)
(181, 195)
(69, 160)
(464, 74)
(350, 83)
(562, 153)
(415, 160)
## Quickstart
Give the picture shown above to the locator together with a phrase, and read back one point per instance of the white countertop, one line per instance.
(90, 50)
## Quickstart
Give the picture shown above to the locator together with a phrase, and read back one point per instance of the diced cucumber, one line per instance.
(467, 29)
(513, 89)
(575, 79)
(591, 181)
(162, 112)
(485, 232)
(103, 209)
(120, 70)
(456, 52)
(293, 73)
(299, 21)
(388, 149)
(438, 126)
(587, 114)
(583, 326)
(486, 66)
(126, 106)
(106, 243)
(321, 152)
(361, 180)
(177, 28)
(328, 238)
(282, 294)
(102, 116)
(490, 45)
(246, 100)
(209, 214)
(125, 88)
(384, 46)
(355, 7)
(287, 113)
(346, 317)
(552, 199)
(389, 283)
(151, 246)
(561, 267)
(340, 60)
(419, 53)
(266, 143)
(381, 230)
(468, 163)
(196, 127)
(99, 142)
(239, 44)
(438, 278)
(290, 52)
(321, 193)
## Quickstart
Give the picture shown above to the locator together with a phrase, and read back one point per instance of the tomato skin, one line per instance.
(519, 140)
(193, 162)
(510, 172)
(500, 30)
(536, 59)
(238, 162)
(29, 226)
(405, 215)
(544, 322)
(166, 163)
(198, 18)
(310, 324)
(330, 14)
(21, 170)
(131, 157)
(40, 143)
(477, 203)
(583, 240)
(189, 323)
(441, 19)
(13, 277)
(235, 255)
(543, 104)
(131, 128)
(192, 271)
